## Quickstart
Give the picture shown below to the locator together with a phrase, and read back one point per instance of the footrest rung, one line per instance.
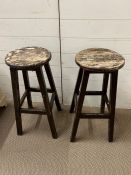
(94, 116)
(33, 89)
(93, 93)
(32, 111)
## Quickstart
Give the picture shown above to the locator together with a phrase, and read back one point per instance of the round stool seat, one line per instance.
(99, 59)
(27, 57)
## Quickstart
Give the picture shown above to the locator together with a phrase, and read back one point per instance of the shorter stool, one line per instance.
(32, 59)
(96, 61)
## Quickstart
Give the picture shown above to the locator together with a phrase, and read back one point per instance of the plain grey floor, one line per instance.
(36, 153)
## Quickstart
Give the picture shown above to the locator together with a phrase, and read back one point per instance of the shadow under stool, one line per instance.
(96, 61)
(32, 59)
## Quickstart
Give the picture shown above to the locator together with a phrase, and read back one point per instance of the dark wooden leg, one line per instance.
(80, 104)
(78, 83)
(113, 91)
(27, 86)
(16, 96)
(44, 93)
(104, 89)
(52, 85)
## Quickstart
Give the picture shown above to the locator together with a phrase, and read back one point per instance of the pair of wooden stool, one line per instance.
(90, 61)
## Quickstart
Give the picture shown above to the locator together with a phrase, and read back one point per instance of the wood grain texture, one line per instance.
(29, 27)
(28, 57)
(92, 9)
(96, 28)
(99, 59)
(28, 9)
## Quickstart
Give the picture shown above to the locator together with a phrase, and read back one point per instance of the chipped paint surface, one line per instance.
(99, 58)
(28, 56)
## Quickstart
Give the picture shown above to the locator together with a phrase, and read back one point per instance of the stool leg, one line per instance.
(104, 90)
(80, 104)
(44, 93)
(27, 86)
(78, 83)
(113, 91)
(16, 96)
(52, 85)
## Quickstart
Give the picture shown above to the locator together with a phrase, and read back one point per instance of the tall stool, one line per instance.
(96, 61)
(32, 59)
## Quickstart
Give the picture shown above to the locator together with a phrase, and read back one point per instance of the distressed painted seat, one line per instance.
(28, 57)
(96, 61)
(99, 59)
(32, 59)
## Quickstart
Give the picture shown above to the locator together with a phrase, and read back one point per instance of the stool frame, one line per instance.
(79, 95)
(18, 102)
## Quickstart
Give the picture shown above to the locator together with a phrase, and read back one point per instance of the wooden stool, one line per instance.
(32, 59)
(94, 61)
